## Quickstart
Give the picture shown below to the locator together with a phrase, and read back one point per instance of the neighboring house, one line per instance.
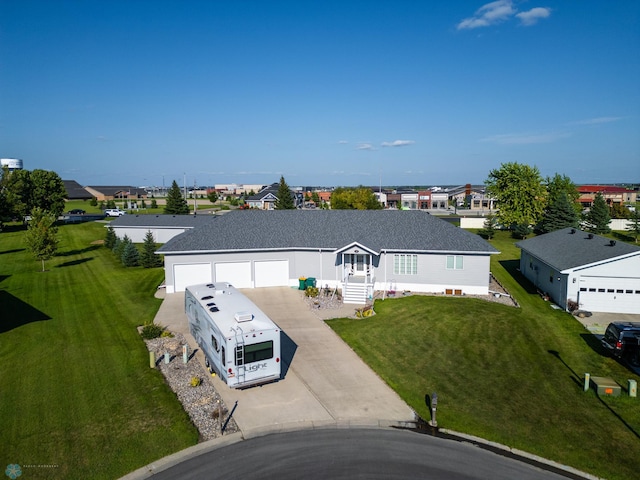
(162, 227)
(75, 191)
(394, 200)
(266, 198)
(579, 269)
(103, 193)
(359, 251)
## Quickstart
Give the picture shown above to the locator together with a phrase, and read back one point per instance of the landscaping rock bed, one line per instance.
(202, 403)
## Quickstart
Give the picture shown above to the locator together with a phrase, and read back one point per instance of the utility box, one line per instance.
(633, 388)
(606, 386)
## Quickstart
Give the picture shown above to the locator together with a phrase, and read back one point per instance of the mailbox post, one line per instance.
(434, 406)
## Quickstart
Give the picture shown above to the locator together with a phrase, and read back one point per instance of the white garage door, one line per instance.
(190, 274)
(610, 294)
(272, 273)
(237, 274)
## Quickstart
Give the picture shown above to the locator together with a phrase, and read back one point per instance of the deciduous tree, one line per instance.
(559, 184)
(520, 193)
(359, 198)
(42, 235)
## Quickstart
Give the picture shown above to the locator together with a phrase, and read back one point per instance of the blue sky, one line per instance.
(323, 92)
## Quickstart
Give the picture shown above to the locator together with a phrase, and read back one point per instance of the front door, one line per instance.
(357, 264)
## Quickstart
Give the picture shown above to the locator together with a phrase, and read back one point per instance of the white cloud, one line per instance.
(526, 138)
(596, 121)
(489, 14)
(365, 146)
(532, 16)
(398, 143)
(343, 142)
(500, 11)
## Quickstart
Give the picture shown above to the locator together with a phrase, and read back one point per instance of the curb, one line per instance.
(518, 454)
(169, 461)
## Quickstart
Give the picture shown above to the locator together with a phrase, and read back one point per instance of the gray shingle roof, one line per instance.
(564, 250)
(394, 230)
(76, 191)
(155, 221)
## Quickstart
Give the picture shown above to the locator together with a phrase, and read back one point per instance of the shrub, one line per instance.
(196, 381)
(167, 334)
(151, 331)
(311, 292)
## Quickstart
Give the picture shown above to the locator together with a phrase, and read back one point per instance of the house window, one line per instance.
(454, 262)
(404, 264)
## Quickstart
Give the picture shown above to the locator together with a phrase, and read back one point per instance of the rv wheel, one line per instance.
(206, 362)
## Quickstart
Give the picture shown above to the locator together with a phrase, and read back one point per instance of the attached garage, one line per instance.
(609, 294)
(190, 274)
(271, 273)
(237, 274)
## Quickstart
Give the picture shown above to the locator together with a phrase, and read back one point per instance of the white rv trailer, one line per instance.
(240, 343)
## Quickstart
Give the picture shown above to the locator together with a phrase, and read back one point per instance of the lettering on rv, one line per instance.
(256, 366)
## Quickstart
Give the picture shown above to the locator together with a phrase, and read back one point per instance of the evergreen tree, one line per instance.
(559, 214)
(634, 224)
(148, 258)
(118, 246)
(176, 203)
(284, 200)
(489, 229)
(154, 203)
(130, 255)
(598, 217)
(110, 238)
(521, 231)
(42, 235)
(93, 202)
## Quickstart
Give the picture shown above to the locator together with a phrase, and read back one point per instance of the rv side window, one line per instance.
(258, 351)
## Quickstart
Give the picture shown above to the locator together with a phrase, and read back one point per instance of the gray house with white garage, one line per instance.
(358, 251)
(162, 227)
(581, 270)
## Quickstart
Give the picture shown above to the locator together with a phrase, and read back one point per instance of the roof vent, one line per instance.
(612, 243)
(573, 230)
(243, 316)
(590, 236)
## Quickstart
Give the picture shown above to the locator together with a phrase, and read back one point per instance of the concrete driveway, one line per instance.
(326, 382)
(598, 321)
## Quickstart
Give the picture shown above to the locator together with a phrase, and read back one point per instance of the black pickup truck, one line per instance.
(622, 340)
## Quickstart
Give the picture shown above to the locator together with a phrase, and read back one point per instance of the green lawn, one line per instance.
(511, 375)
(77, 391)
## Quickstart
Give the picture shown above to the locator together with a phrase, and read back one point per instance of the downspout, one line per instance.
(320, 251)
(384, 286)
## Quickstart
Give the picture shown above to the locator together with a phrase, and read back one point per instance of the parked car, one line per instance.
(114, 212)
(622, 340)
(77, 211)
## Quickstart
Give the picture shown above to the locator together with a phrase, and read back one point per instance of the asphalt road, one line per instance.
(352, 454)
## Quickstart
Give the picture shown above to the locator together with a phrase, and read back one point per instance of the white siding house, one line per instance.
(581, 270)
